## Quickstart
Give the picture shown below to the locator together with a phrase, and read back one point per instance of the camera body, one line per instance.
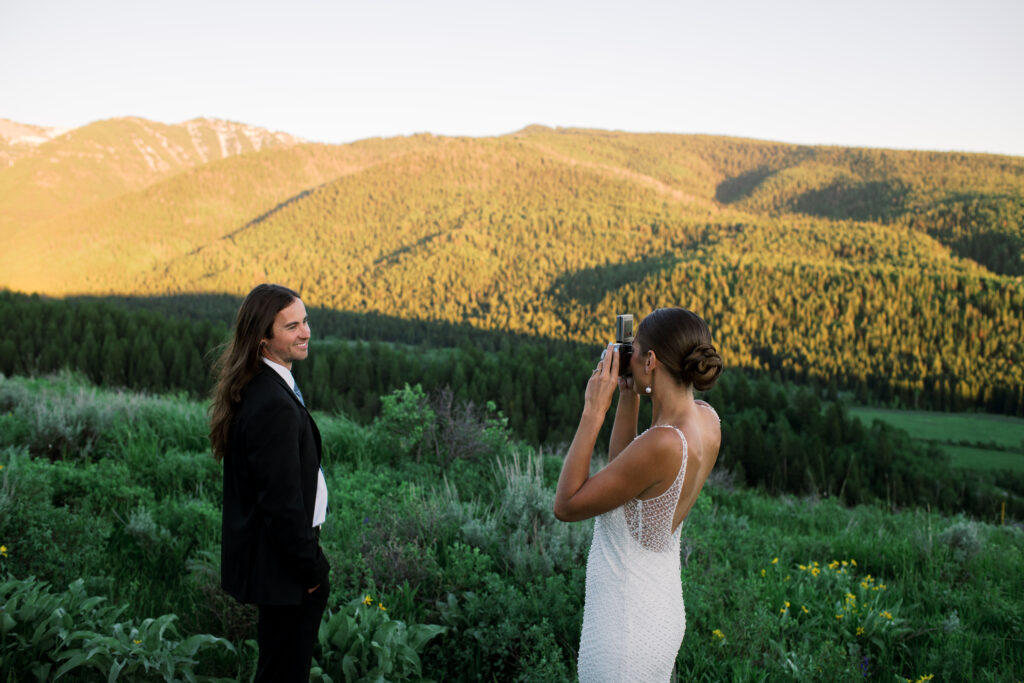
(623, 342)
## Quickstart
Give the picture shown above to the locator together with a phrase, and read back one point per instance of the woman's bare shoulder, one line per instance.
(660, 439)
(704, 404)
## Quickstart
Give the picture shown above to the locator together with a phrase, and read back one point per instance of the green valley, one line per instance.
(972, 441)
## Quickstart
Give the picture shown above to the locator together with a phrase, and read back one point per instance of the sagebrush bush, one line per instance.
(963, 539)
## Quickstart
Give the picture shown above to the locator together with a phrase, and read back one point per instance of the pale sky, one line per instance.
(940, 75)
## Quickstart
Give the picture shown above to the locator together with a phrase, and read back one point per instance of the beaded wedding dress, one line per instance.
(633, 617)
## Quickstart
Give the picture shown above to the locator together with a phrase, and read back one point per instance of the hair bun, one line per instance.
(702, 367)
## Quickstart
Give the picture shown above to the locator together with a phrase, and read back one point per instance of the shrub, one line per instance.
(963, 540)
(52, 634)
(405, 419)
(360, 642)
(133, 649)
(510, 631)
(521, 528)
(32, 527)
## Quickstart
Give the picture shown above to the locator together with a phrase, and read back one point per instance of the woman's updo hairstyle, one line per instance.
(682, 342)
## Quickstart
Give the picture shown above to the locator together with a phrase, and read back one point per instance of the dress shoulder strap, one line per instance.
(707, 406)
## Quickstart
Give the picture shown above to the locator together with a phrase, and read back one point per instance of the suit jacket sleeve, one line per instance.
(274, 440)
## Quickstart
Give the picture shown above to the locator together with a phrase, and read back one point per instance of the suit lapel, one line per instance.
(312, 423)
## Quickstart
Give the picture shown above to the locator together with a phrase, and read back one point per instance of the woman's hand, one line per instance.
(602, 383)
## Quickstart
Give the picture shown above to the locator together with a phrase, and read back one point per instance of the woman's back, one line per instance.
(705, 437)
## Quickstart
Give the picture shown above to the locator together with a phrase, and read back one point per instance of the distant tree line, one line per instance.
(783, 438)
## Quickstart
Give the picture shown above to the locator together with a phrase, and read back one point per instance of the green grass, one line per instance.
(972, 440)
(973, 458)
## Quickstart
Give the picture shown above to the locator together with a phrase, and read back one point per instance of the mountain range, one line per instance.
(829, 262)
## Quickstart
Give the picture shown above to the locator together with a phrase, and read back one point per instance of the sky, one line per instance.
(938, 75)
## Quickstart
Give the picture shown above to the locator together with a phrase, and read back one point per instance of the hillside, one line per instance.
(105, 245)
(19, 139)
(51, 175)
(894, 272)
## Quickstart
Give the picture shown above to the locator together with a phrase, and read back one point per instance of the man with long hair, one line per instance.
(275, 497)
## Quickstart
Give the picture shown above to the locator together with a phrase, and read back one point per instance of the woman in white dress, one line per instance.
(633, 617)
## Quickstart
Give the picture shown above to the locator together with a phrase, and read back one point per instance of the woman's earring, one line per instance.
(647, 389)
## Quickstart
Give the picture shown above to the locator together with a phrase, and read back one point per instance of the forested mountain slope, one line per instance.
(821, 262)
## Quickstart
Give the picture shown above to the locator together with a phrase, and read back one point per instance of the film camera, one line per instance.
(623, 342)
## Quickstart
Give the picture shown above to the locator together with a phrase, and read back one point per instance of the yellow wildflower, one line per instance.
(774, 561)
(845, 563)
(804, 608)
(137, 642)
(833, 564)
(762, 572)
(787, 578)
(3, 550)
(860, 630)
(887, 614)
(367, 600)
(382, 607)
(815, 571)
(839, 616)
(787, 603)
(853, 562)
(863, 584)
(717, 633)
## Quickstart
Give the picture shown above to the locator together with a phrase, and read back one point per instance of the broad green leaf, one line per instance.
(115, 670)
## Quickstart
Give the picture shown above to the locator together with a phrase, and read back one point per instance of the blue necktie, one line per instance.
(298, 394)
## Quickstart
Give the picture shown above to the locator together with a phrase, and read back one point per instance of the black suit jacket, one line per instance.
(269, 552)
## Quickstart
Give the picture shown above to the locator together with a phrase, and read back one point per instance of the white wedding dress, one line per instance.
(633, 617)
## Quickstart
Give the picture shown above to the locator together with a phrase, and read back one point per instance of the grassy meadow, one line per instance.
(972, 440)
(446, 553)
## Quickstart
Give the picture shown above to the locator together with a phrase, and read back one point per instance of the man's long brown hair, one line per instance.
(241, 357)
